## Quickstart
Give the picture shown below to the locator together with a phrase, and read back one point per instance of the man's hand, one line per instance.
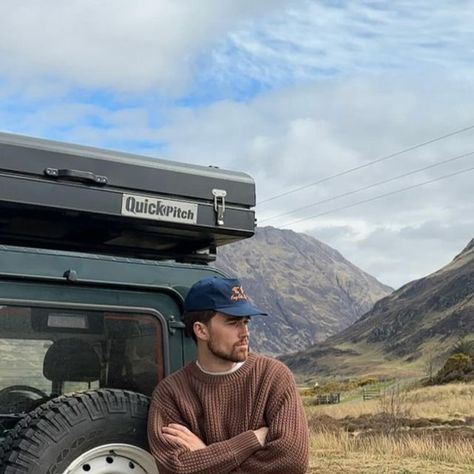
(180, 434)
(261, 435)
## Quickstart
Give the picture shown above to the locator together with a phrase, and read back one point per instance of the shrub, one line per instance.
(463, 346)
(367, 381)
(307, 392)
(458, 367)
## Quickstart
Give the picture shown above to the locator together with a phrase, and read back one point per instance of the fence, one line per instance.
(327, 399)
(370, 393)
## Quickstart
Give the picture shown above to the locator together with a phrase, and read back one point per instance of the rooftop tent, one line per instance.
(69, 197)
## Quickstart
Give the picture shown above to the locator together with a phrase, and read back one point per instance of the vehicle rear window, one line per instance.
(45, 352)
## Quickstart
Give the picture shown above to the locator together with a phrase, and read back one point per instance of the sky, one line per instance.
(358, 114)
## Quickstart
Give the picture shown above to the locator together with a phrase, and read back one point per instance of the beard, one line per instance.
(236, 354)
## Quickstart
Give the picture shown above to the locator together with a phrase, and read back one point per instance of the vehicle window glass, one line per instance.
(45, 352)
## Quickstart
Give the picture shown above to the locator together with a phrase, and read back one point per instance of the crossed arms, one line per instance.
(181, 435)
(178, 451)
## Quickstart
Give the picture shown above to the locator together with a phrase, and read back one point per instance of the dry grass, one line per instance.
(444, 402)
(400, 447)
(361, 463)
(408, 449)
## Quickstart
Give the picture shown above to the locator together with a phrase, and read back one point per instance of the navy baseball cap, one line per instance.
(224, 295)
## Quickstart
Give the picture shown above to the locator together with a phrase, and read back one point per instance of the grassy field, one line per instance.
(422, 430)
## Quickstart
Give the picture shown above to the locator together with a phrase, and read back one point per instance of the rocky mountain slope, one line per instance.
(309, 290)
(419, 322)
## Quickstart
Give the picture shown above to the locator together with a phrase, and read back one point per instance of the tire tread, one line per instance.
(21, 449)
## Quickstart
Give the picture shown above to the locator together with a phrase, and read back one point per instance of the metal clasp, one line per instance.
(219, 204)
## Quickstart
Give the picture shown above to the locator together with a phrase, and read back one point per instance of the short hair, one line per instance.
(190, 317)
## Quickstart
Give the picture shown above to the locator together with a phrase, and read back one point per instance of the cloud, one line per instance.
(296, 136)
(126, 46)
(328, 127)
(222, 48)
(399, 255)
(330, 39)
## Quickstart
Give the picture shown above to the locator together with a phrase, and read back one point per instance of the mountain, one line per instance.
(309, 289)
(403, 332)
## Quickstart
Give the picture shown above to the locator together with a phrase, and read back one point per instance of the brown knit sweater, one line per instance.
(223, 411)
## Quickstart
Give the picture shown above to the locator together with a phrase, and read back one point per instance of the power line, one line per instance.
(348, 193)
(378, 160)
(380, 196)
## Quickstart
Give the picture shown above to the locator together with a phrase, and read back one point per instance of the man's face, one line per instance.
(229, 337)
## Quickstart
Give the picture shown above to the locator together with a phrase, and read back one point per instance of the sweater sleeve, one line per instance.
(217, 458)
(286, 449)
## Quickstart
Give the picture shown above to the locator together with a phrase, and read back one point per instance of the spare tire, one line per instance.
(95, 431)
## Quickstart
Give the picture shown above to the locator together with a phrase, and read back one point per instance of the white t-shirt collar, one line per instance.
(236, 367)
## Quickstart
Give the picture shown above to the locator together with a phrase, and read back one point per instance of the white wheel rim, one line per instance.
(114, 459)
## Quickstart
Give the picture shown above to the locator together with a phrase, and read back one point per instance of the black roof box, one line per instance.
(70, 197)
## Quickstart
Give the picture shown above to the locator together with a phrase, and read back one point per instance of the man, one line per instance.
(230, 411)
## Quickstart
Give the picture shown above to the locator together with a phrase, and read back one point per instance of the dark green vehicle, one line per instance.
(97, 252)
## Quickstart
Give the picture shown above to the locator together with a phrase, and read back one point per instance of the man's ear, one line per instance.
(201, 331)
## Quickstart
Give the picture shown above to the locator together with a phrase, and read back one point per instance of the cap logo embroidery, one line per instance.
(238, 293)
